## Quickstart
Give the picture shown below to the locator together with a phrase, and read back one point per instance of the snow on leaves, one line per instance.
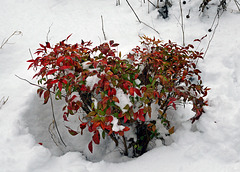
(117, 93)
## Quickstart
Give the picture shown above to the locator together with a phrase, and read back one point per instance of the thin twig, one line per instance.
(125, 146)
(117, 2)
(51, 105)
(49, 29)
(51, 133)
(3, 101)
(182, 24)
(30, 53)
(134, 12)
(140, 20)
(55, 122)
(105, 38)
(214, 31)
(237, 4)
(36, 85)
(5, 41)
(152, 4)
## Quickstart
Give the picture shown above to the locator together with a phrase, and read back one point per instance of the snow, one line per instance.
(123, 100)
(116, 127)
(211, 144)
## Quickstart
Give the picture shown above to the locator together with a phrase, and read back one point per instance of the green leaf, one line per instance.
(150, 79)
(72, 132)
(103, 134)
(92, 113)
(100, 112)
(126, 107)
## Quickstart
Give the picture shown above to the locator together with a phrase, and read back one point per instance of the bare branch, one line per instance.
(153, 4)
(54, 120)
(214, 31)
(37, 85)
(3, 101)
(5, 41)
(182, 24)
(30, 53)
(105, 38)
(134, 12)
(140, 20)
(237, 4)
(49, 29)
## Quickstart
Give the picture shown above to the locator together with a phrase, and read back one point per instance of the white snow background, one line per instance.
(212, 144)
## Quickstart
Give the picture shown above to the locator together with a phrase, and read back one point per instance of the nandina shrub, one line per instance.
(117, 95)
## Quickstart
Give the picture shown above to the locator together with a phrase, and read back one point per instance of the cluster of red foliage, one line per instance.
(158, 74)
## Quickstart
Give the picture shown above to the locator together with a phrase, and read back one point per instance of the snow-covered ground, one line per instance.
(212, 144)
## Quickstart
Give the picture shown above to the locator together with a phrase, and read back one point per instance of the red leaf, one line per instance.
(115, 99)
(40, 91)
(90, 147)
(109, 93)
(113, 91)
(137, 91)
(90, 129)
(71, 75)
(125, 119)
(64, 81)
(46, 96)
(125, 86)
(108, 118)
(40, 143)
(136, 76)
(42, 45)
(135, 115)
(65, 118)
(51, 71)
(131, 91)
(60, 86)
(73, 97)
(69, 36)
(54, 81)
(141, 117)
(108, 112)
(106, 86)
(31, 61)
(83, 125)
(143, 89)
(64, 67)
(121, 133)
(126, 129)
(141, 111)
(172, 99)
(111, 42)
(30, 66)
(48, 45)
(96, 137)
(59, 60)
(115, 45)
(83, 88)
